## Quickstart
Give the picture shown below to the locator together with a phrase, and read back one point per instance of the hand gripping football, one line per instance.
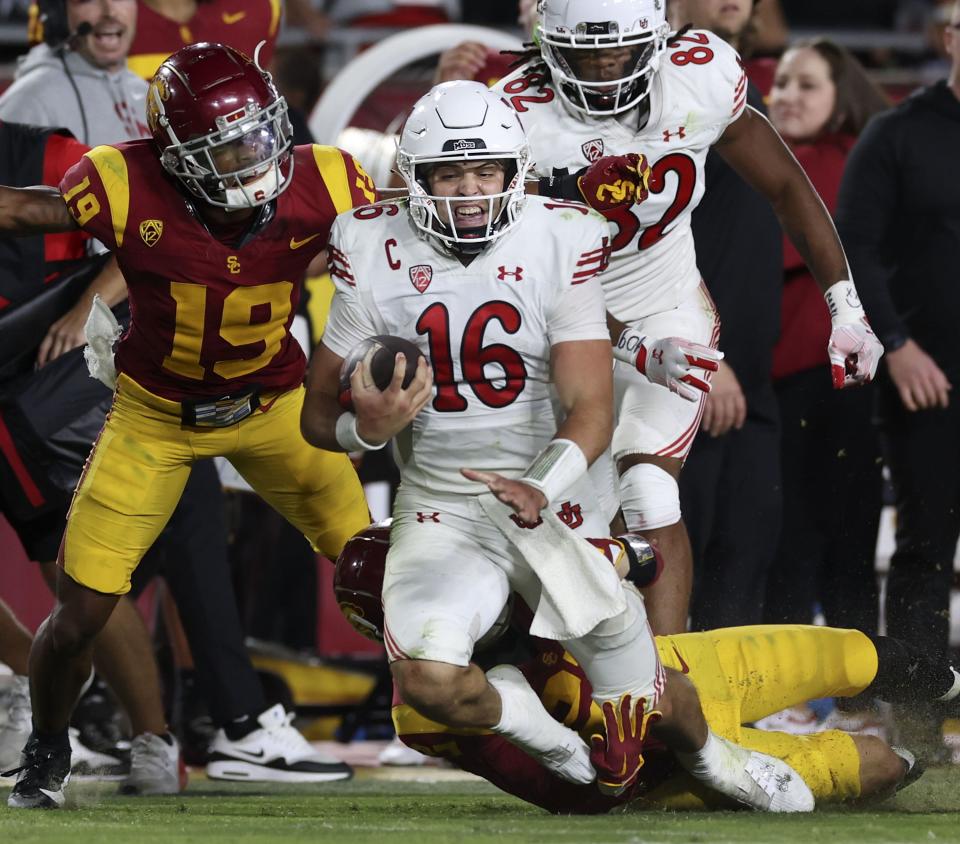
(378, 355)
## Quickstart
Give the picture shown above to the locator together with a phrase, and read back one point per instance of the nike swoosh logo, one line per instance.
(296, 244)
(233, 17)
(258, 755)
(684, 668)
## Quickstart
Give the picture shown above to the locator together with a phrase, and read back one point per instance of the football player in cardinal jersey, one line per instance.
(785, 663)
(609, 79)
(500, 292)
(213, 221)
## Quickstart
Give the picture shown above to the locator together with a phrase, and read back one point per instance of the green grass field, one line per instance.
(398, 811)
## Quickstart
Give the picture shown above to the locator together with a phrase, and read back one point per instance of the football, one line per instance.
(378, 354)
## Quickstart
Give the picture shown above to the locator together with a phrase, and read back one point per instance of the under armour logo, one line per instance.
(526, 525)
(516, 273)
(428, 517)
(680, 133)
(570, 515)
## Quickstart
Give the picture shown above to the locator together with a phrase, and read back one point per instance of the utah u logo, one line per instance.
(657, 355)
(592, 150)
(233, 264)
(681, 133)
(516, 273)
(570, 515)
(526, 525)
(428, 517)
(420, 276)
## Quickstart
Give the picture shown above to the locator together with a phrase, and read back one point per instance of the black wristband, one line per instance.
(561, 186)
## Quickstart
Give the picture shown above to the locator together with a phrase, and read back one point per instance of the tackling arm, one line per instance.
(34, 210)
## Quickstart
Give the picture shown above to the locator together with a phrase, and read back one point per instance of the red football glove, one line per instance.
(618, 756)
(615, 181)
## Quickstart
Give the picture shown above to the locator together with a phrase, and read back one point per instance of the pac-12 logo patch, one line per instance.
(420, 276)
(150, 231)
(592, 150)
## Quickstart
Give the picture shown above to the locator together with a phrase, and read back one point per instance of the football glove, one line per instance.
(610, 184)
(618, 755)
(669, 362)
(853, 348)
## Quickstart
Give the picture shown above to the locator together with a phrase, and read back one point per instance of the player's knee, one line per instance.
(650, 497)
(432, 688)
(881, 770)
(70, 632)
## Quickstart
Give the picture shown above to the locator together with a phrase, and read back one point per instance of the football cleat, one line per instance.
(913, 769)
(276, 752)
(16, 729)
(42, 776)
(156, 767)
(397, 754)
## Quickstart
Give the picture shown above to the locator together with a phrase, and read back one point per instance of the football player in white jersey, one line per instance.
(609, 79)
(499, 291)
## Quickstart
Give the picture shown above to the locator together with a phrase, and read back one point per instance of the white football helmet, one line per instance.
(458, 123)
(580, 41)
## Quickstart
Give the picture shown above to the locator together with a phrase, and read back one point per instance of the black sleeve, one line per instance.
(866, 210)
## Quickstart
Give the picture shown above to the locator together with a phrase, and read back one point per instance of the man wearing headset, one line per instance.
(78, 77)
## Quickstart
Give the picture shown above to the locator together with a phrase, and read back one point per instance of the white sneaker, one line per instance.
(155, 766)
(15, 730)
(276, 752)
(399, 755)
(566, 754)
(87, 763)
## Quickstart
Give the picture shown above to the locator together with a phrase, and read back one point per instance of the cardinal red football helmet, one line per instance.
(358, 580)
(221, 126)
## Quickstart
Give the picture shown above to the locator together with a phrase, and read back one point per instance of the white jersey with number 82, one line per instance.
(699, 89)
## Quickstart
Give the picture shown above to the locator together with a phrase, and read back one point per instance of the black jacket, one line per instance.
(898, 215)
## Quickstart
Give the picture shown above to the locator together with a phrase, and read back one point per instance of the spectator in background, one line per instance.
(730, 484)
(393, 13)
(820, 102)
(899, 214)
(167, 25)
(78, 77)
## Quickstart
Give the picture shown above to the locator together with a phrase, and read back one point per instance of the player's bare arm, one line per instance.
(34, 210)
(380, 415)
(754, 149)
(582, 375)
(67, 332)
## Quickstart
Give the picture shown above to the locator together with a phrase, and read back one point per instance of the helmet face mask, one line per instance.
(602, 54)
(228, 140)
(456, 129)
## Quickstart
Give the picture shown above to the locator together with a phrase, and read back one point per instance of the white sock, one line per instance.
(707, 763)
(520, 723)
(954, 689)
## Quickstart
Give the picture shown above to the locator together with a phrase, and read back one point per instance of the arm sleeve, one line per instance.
(866, 209)
(349, 321)
(578, 311)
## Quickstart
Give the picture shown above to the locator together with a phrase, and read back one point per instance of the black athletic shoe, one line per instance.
(42, 776)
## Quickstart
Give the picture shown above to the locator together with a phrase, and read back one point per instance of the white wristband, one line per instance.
(347, 436)
(628, 346)
(844, 303)
(555, 468)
